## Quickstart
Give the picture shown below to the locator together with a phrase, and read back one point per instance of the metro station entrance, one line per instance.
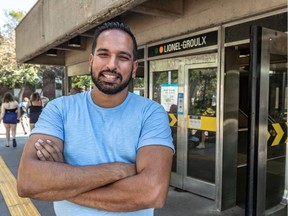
(262, 122)
(187, 89)
(267, 160)
(209, 106)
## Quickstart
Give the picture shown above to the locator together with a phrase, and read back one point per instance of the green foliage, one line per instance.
(19, 76)
(58, 86)
(17, 15)
(51, 71)
(12, 19)
(202, 88)
(13, 74)
(81, 82)
(138, 82)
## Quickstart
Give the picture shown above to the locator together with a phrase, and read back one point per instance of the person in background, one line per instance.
(209, 111)
(24, 114)
(102, 152)
(35, 106)
(75, 90)
(10, 114)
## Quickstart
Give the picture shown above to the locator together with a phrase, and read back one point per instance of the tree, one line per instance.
(13, 74)
(16, 75)
(82, 82)
(12, 19)
(51, 77)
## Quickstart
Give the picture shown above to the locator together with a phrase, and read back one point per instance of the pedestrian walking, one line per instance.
(24, 119)
(34, 107)
(10, 114)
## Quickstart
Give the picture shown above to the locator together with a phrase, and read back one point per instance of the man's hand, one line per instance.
(48, 151)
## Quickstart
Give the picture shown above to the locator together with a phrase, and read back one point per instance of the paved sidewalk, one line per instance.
(11, 156)
(179, 203)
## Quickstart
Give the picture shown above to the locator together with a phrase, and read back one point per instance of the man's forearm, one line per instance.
(147, 189)
(122, 196)
(58, 181)
(47, 178)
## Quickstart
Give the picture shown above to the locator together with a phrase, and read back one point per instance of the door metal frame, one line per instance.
(166, 65)
(262, 44)
(198, 186)
(179, 179)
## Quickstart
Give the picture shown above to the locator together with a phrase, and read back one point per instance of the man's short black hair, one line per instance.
(114, 25)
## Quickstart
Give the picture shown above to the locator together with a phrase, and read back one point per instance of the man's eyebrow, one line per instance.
(126, 53)
(102, 50)
(121, 52)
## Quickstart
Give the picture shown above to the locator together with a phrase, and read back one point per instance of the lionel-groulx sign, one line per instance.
(193, 42)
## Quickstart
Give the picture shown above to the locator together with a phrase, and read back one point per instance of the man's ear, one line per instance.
(135, 67)
(91, 58)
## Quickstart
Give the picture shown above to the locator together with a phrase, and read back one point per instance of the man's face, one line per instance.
(112, 66)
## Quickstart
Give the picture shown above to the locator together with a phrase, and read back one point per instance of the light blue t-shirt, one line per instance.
(95, 135)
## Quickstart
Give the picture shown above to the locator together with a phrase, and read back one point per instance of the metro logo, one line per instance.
(159, 50)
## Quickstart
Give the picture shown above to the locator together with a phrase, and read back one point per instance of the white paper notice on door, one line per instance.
(169, 95)
(194, 122)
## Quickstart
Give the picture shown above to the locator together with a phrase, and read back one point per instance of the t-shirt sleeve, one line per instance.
(156, 129)
(50, 121)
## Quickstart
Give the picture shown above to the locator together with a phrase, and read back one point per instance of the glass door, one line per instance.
(201, 129)
(186, 88)
(164, 83)
(267, 162)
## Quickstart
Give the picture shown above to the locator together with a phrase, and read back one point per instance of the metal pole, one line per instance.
(252, 152)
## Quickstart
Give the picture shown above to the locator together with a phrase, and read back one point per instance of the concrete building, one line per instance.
(231, 53)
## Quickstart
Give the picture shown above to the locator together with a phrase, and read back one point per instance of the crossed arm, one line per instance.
(112, 187)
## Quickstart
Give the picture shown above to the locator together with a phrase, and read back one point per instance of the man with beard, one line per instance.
(102, 152)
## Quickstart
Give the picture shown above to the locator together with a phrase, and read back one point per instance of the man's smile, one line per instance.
(109, 77)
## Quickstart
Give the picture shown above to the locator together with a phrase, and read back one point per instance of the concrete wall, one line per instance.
(73, 57)
(198, 14)
(52, 22)
(77, 62)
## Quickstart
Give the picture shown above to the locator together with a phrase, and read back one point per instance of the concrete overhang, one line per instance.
(52, 25)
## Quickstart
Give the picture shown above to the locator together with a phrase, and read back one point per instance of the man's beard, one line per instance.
(109, 88)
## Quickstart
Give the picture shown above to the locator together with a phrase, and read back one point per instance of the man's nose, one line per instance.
(112, 63)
